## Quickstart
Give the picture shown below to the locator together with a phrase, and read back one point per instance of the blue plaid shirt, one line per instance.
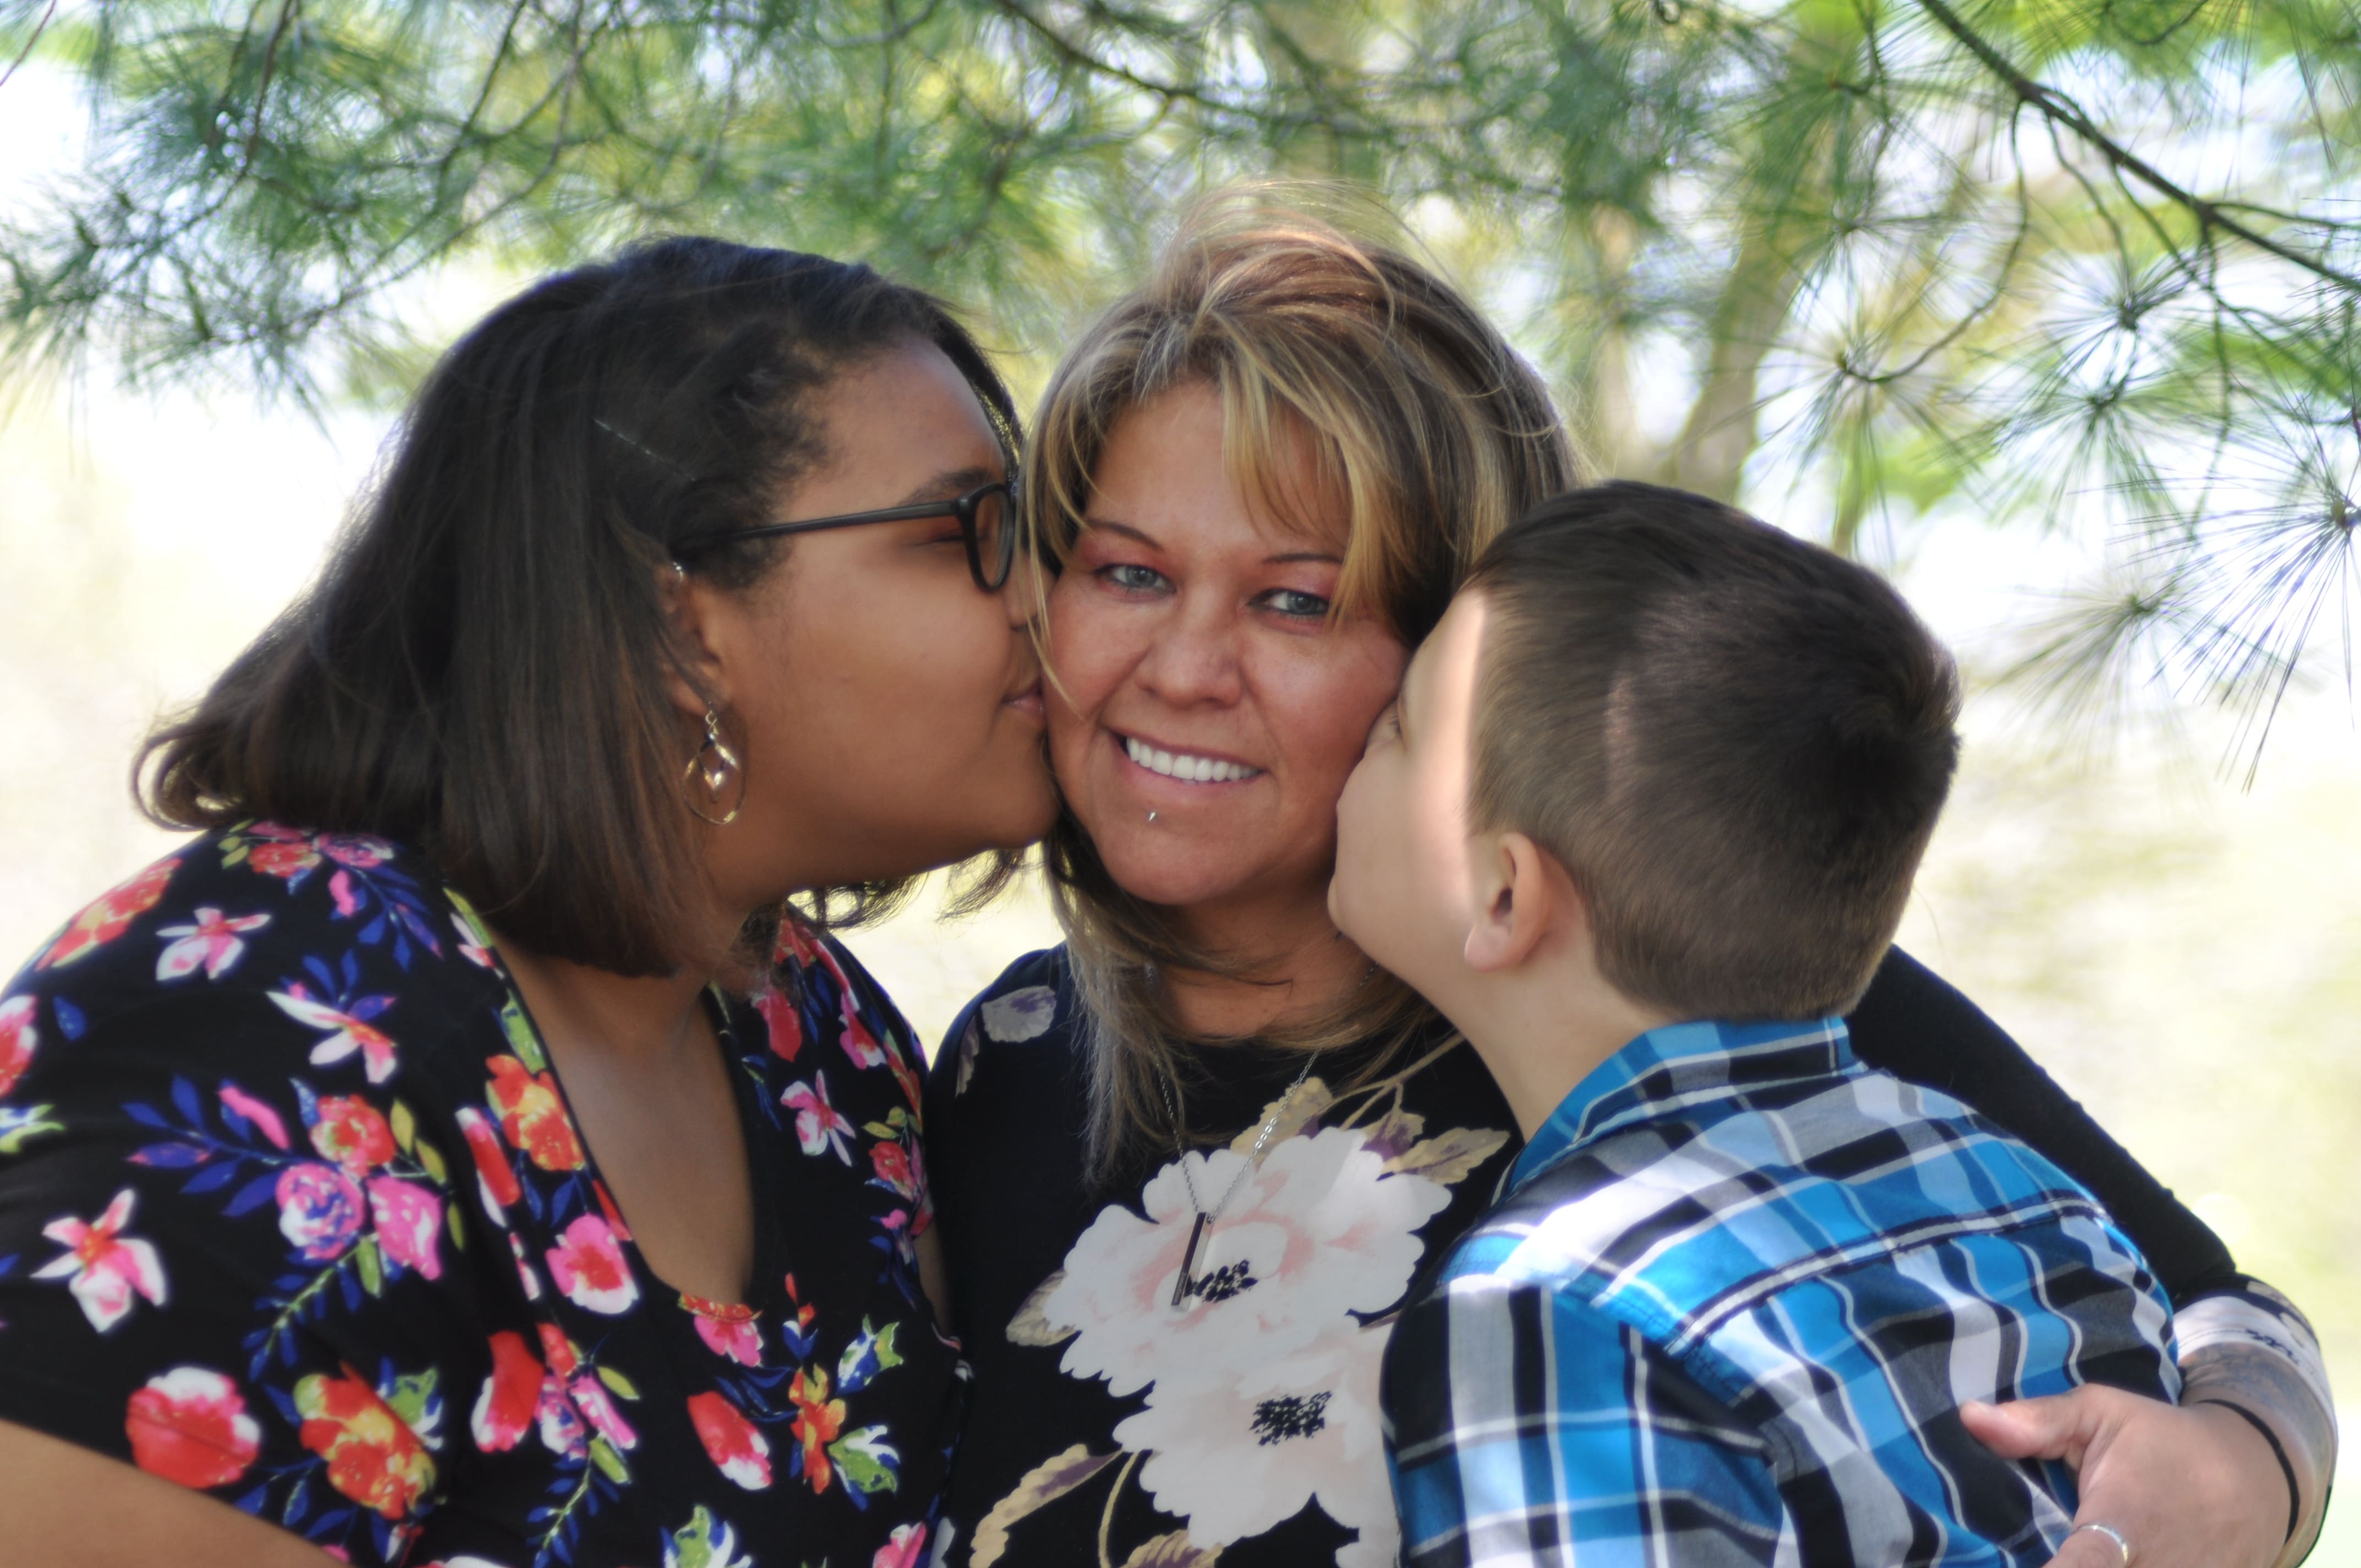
(1726, 1310)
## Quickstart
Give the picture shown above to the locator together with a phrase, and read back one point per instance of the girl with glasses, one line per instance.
(457, 1152)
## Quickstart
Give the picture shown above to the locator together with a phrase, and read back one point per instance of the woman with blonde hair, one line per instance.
(1191, 1160)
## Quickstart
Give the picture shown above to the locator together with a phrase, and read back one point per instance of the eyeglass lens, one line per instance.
(996, 537)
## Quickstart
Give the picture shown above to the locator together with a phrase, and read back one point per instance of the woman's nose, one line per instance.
(1194, 658)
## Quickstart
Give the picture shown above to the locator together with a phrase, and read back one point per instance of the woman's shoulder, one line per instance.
(1031, 1003)
(350, 936)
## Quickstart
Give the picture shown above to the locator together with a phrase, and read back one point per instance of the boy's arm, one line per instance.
(1523, 1427)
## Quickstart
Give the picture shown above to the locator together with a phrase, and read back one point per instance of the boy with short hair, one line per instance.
(1643, 823)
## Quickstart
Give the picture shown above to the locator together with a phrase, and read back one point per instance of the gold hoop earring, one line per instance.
(713, 764)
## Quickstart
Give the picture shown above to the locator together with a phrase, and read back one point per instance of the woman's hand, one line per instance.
(2187, 1486)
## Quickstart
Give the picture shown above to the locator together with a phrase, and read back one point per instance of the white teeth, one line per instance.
(1192, 770)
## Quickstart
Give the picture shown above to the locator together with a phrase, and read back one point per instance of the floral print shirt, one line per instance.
(292, 1211)
(1111, 1428)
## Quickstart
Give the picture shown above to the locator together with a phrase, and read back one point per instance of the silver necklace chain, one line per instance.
(1183, 1286)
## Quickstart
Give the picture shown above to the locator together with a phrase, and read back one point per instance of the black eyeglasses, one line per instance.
(986, 519)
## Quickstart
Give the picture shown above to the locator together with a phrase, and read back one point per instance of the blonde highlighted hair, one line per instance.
(1361, 394)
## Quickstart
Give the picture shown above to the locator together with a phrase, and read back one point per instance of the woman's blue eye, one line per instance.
(1295, 603)
(1132, 576)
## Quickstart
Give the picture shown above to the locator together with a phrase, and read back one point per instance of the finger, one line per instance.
(2054, 1427)
(2087, 1549)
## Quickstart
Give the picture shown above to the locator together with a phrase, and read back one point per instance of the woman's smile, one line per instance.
(1192, 767)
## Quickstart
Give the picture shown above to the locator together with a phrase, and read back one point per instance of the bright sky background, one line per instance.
(2185, 956)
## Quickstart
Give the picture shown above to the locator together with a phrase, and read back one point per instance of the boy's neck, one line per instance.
(1544, 1027)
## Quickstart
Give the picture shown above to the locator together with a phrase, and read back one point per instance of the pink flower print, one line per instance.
(102, 1266)
(347, 1035)
(859, 1043)
(109, 915)
(597, 1407)
(588, 1266)
(607, 1207)
(1316, 1234)
(493, 1172)
(728, 1329)
(189, 1425)
(351, 1131)
(213, 943)
(907, 1549)
(892, 1163)
(818, 1126)
(319, 1210)
(362, 852)
(472, 950)
(563, 1430)
(285, 853)
(285, 862)
(731, 1441)
(533, 1115)
(17, 1038)
(407, 1219)
(787, 1024)
(511, 1397)
(914, 1092)
(524, 1267)
(558, 1350)
(804, 949)
(264, 1117)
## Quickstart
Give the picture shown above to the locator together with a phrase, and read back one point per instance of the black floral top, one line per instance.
(292, 1211)
(1112, 1426)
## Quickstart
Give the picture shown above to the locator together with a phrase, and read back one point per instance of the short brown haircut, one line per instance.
(1736, 742)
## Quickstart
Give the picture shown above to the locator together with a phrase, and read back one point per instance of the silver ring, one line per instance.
(2111, 1534)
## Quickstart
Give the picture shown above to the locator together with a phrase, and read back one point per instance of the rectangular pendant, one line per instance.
(1186, 1285)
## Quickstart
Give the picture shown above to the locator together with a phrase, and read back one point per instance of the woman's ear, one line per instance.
(699, 679)
(1523, 896)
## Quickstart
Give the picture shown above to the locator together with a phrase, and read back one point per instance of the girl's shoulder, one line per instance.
(821, 1007)
(351, 936)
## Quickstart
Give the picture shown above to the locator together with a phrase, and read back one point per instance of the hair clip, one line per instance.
(645, 451)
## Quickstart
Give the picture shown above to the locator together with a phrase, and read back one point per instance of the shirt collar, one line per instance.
(1682, 1064)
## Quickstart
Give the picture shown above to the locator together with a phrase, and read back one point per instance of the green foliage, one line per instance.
(2040, 260)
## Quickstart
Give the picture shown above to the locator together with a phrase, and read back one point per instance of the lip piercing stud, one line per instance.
(1151, 816)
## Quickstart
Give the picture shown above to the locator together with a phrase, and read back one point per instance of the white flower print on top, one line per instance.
(1239, 1455)
(1020, 1015)
(1317, 1233)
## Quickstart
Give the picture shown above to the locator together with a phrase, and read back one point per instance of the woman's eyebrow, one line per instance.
(1295, 557)
(1107, 525)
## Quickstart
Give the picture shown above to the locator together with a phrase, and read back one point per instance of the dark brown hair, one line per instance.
(482, 668)
(1736, 742)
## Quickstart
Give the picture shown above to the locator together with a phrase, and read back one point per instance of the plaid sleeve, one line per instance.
(1524, 1426)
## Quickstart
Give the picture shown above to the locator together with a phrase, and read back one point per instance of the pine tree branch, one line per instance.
(2060, 109)
(26, 52)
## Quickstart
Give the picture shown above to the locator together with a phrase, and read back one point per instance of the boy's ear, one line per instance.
(1518, 902)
